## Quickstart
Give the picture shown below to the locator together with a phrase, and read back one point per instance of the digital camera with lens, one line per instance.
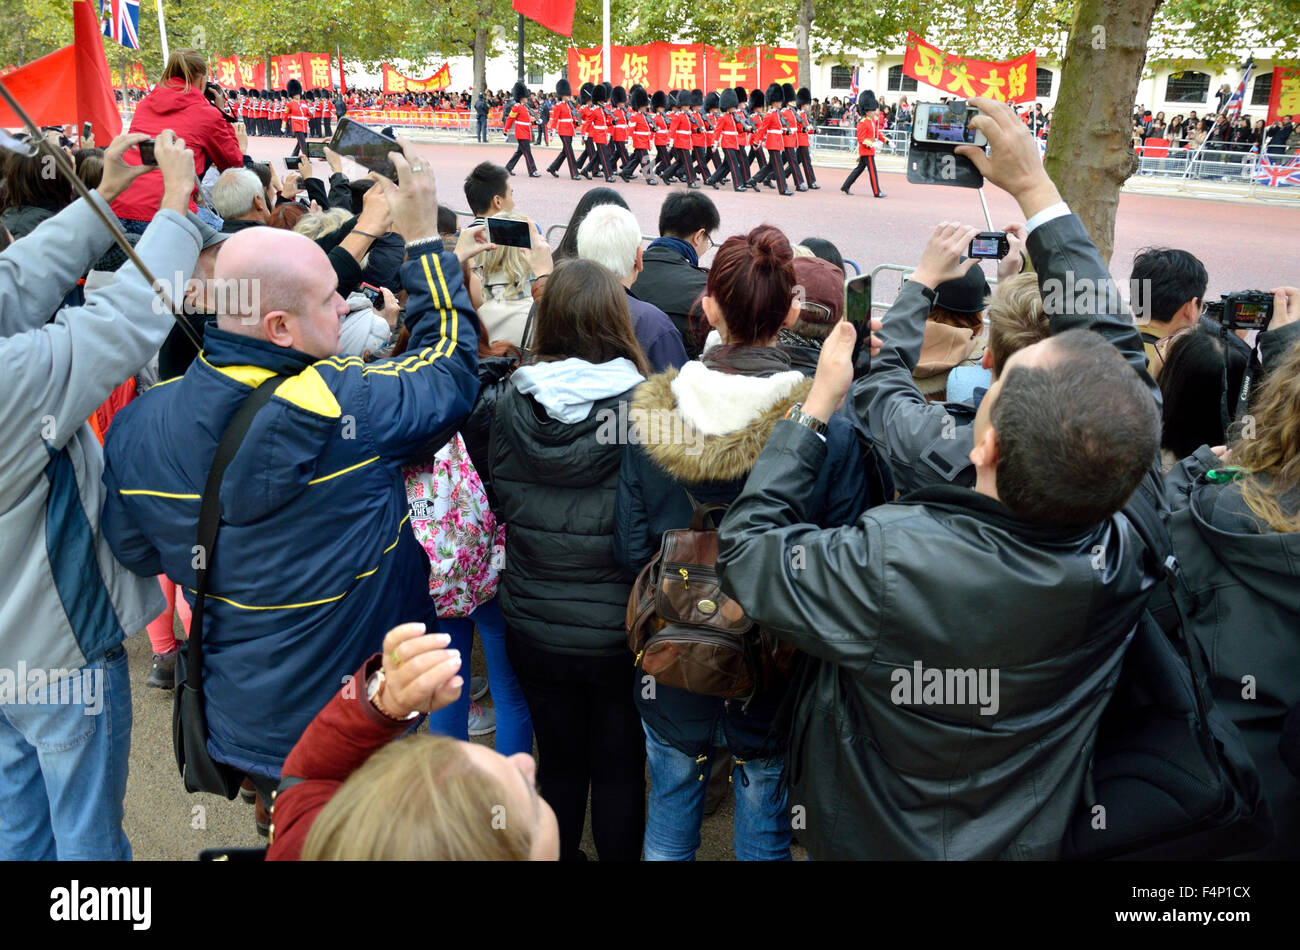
(1246, 310)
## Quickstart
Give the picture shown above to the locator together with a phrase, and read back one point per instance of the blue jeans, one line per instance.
(678, 783)
(63, 766)
(514, 725)
(482, 128)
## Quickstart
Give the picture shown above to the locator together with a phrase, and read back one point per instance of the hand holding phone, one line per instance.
(503, 231)
(146, 153)
(292, 162)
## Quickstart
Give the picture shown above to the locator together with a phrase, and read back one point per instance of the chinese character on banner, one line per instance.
(321, 75)
(970, 77)
(1284, 95)
(589, 68)
(636, 69)
(785, 66)
(961, 81)
(293, 68)
(227, 75)
(396, 82)
(993, 84)
(245, 72)
(1016, 80)
(275, 73)
(733, 73)
(681, 68)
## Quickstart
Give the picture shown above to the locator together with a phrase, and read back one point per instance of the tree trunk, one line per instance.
(802, 35)
(480, 60)
(1090, 148)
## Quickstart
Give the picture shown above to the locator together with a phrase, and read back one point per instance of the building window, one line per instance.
(898, 82)
(1262, 89)
(1187, 86)
(535, 79)
(1044, 82)
(841, 77)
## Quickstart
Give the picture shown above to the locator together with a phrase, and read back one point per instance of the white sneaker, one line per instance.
(482, 721)
(478, 687)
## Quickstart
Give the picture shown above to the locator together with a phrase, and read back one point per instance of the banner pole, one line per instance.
(604, 33)
(988, 219)
(162, 31)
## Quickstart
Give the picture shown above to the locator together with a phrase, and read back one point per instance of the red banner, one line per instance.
(135, 77)
(235, 73)
(670, 66)
(396, 82)
(1012, 80)
(1284, 96)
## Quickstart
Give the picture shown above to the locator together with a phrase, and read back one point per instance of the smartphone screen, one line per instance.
(315, 149)
(940, 122)
(857, 311)
(365, 146)
(509, 233)
(292, 162)
(85, 130)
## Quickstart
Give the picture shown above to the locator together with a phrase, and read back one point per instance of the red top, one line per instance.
(594, 126)
(867, 135)
(727, 135)
(804, 125)
(346, 732)
(562, 118)
(619, 129)
(774, 137)
(640, 131)
(298, 115)
(522, 120)
(759, 134)
(193, 118)
(699, 131)
(680, 127)
(661, 129)
(790, 133)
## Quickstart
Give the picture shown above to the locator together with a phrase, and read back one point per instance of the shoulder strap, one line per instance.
(210, 520)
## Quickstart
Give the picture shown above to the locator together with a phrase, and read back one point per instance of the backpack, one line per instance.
(1170, 771)
(687, 633)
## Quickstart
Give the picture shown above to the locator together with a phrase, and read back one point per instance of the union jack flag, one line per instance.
(121, 20)
(1273, 175)
(1233, 106)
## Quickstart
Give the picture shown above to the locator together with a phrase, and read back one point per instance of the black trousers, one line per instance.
(523, 147)
(589, 736)
(755, 155)
(805, 159)
(587, 153)
(301, 146)
(663, 158)
(701, 154)
(600, 160)
(792, 162)
(775, 167)
(869, 163)
(733, 166)
(327, 131)
(618, 154)
(683, 164)
(633, 163)
(566, 155)
(313, 127)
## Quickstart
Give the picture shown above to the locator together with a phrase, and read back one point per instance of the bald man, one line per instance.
(316, 559)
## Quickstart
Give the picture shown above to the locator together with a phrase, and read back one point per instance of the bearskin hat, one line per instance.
(803, 97)
(867, 102)
(710, 102)
(773, 96)
(562, 88)
(520, 92)
(618, 96)
(697, 97)
(659, 100)
(787, 93)
(756, 100)
(727, 101)
(584, 92)
(639, 100)
(295, 88)
(741, 94)
(600, 95)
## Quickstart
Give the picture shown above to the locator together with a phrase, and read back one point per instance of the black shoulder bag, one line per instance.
(199, 770)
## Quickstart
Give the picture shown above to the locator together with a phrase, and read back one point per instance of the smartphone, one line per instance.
(146, 153)
(85, 130)
(365, 146)
(316, 150)
(503, 231)
(989, 245)
(946, 124)
(857, 311)
(374, 295)
(292, 163)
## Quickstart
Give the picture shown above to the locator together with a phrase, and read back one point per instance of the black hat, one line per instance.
(520, 92)
(727, 101)
(697, 97)
(963, 294)
(639, 100)
(562, 88)
(618, 96)
(635, 86)
(659, 100)
(756, 100)
(867, 102)
(295, 88)
(787, 93)
(584, 92)
(741, 94)
(710, 102)
(803, 97)
(773, 96)
(609, 89)
(600, 94)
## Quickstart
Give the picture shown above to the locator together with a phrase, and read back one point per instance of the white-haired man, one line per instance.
(610, 236)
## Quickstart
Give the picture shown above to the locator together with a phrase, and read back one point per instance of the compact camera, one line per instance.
(989, 245)
(1244, 310)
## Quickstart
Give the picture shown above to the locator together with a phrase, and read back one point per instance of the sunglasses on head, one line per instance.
(815, 312)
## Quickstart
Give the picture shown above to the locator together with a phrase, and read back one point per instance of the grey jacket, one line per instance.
(928, 443)
(64, 598)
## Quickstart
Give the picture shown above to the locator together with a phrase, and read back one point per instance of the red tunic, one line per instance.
(680, 128)
(790, 132)
(661, 129)
(522, 120)
(595, 127)
(298, 116)
(805, 124)
(774, 137)
(727, 134)
(619, 128)
(699, 131)
(867, 136)
(640, 132)
(562, 118)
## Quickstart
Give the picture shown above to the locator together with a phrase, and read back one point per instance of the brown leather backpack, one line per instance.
(686, 632)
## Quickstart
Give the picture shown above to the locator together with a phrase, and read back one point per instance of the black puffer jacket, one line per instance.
(555, 483)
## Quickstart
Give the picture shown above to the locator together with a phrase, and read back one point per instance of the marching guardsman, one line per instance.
(790, 135)
(597, 127)
(299, 119)
(521, 119)
(564, 126)
(327, 112)
(618, 129)
(774, 140)
(869, 132)
(641, 135)
(584, 111)
(281, 124)
(729, 135)
(679, 129)
(699, 132)
(804, 100)
(663, 158)
(757, 133)
(711, 105)
(313, 113)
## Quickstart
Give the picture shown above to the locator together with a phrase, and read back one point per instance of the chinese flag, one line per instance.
(555, 15)
(95, 102)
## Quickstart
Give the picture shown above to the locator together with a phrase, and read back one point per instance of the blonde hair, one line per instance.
(801, 251)
(508, 266)
(319, 223)
(1271, 460)
(1016, 318)
(417, 799)
(187, 65)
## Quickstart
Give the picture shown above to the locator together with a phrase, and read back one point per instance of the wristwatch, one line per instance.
(796, 414)
(375, 686)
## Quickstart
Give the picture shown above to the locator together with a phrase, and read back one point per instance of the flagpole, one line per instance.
(604, 33)
(162, 31)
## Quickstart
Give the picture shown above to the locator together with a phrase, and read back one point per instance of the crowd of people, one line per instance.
(1236, 136)
(419, 436)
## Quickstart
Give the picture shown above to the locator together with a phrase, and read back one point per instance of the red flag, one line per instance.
(46, 88)
(95, 102)
(555, 15)
(343, 80)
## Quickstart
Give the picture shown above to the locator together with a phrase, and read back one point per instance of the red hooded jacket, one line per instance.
(193, 118)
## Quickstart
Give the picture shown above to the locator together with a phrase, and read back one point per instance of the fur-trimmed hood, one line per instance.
(701, 425)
